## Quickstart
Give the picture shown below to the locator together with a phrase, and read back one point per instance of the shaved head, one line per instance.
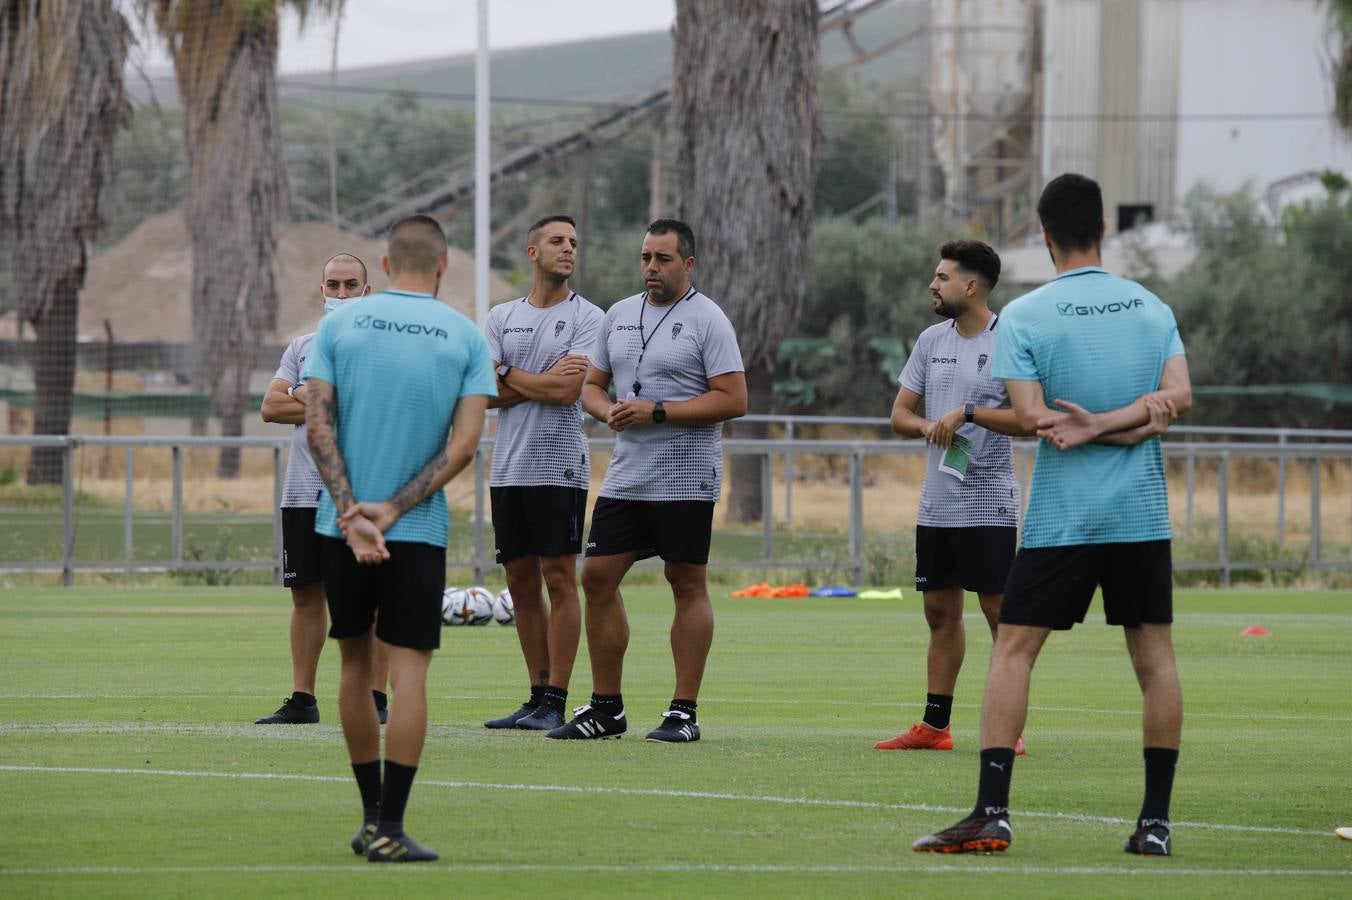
(417, 246)
(346, 258)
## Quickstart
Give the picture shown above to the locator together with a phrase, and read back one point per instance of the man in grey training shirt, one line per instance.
(541, 464)
(677, 371)
(969, 504)
(344, 281)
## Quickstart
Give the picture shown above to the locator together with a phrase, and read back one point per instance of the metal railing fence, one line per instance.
(1314, 449)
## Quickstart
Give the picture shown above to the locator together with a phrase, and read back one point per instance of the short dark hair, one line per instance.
(533, 231)
(685, 236)
(1071, 210)
(976, 257)
(417, 244)
(343, 254)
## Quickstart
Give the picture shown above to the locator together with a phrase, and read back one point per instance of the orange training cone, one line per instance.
(1255, 631)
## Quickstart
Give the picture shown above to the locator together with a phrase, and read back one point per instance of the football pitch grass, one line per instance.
(129, 767)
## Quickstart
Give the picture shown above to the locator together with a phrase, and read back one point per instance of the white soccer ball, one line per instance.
(455, 606)
(479, 605)
(503, 609)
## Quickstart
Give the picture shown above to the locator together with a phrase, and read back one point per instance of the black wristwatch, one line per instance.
(969, 412)
(659, 412)
(503, 370)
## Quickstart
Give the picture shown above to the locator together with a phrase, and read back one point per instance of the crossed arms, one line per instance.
(560, 384)
(364, 523)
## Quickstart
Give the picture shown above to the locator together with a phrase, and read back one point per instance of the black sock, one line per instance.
(303, 698)
(368, 782)
(382, 701)
(537, 693)
(394, 796)
(1160, 763)
(685, 706)
(992, 792)
(554, 698)
(938, 710)
(610, 704)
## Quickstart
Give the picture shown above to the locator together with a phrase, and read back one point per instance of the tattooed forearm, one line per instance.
(421, 486)
(321, 419)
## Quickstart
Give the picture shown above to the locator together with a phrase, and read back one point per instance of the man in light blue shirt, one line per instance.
(388, 377)
(1106, 353)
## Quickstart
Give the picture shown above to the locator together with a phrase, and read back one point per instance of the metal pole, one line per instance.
(1223, 516)
(482, 246)
(856, 518)
(278, 478)
(1314, 511)
(1192, 467)
(788, 478)
(68, 512)
(176, 508)
(1281, 490)
(767, 508)
(128, 502)
(480, 564)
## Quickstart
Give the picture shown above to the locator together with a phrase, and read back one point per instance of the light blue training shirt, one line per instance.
(399, 362)
(1099, 341)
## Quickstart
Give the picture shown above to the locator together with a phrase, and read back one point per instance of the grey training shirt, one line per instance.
(689, 341)
(949, 370)
(541, 443)
(302, 484)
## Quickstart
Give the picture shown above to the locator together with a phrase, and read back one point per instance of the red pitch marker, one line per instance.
(1255, 631)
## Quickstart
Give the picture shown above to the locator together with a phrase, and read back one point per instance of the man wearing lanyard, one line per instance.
(541, 464)
(673, 357)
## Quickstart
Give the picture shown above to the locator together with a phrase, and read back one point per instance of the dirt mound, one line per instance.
(141, 285)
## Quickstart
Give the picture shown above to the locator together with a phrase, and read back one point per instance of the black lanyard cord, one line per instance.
(638, 387)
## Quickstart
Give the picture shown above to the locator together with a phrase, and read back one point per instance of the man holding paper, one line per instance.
(965, 533)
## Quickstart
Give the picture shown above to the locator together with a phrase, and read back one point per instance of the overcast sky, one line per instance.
(386, 31)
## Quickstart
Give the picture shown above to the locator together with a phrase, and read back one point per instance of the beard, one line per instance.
(950, 310)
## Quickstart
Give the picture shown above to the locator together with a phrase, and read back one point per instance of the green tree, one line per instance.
(61, 105)
(1263, 304)
(225, 61)
(866, 302)
(1340, 17)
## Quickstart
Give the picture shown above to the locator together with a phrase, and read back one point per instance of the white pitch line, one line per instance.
(753, 869)
(659, 792)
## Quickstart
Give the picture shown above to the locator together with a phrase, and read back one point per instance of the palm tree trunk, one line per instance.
(54, 373)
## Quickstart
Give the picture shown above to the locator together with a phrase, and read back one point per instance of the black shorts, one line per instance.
(300, 547)
(679, 531)
(977, 558)
(538, 520)
(405, 589)
(1051, 587)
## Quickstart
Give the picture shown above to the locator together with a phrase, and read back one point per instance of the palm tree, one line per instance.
(225, 61)
(61, 105)
(745, 100)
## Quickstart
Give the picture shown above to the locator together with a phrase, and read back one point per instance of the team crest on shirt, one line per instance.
(981, 362)
(676, 331)
(558, 328)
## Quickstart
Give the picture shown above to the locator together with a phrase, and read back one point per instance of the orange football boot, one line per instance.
(920, 737)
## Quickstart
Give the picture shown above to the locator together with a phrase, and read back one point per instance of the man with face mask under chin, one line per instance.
(344, 282)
